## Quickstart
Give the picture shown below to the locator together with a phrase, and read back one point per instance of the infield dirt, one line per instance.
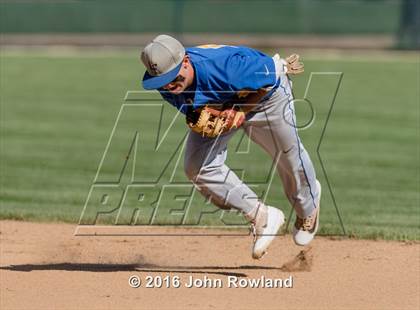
(44, 266)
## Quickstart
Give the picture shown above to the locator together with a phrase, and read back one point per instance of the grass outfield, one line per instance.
(58, 110)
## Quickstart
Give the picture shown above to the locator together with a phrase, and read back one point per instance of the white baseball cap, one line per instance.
(163, 59)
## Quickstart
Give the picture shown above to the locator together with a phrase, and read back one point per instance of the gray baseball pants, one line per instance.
(272, 126)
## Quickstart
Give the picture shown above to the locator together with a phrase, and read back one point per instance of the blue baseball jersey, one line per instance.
(221, 73)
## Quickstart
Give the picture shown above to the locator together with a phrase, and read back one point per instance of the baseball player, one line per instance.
(222, 89)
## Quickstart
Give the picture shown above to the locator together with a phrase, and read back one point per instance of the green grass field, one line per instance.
(58, 110)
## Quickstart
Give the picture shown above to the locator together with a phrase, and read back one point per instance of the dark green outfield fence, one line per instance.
(300, 16)
(212, 16)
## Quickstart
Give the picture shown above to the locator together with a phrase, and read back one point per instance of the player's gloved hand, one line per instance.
(212, 123)
(293, 65)
(191, 115)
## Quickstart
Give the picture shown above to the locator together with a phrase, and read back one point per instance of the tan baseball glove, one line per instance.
(212, 122)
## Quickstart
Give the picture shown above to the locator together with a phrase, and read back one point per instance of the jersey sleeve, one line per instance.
(250, 70)
(177, 101)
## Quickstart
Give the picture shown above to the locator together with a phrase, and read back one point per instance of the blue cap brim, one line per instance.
(155, 82)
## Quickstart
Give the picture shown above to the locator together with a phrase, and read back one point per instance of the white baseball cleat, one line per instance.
(304, 230)
(265, 226)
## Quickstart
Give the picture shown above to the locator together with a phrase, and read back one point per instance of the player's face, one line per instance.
(177, 86)
(183, 79)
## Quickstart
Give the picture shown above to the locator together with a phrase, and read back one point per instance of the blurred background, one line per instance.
(313, 23)
(66, 66)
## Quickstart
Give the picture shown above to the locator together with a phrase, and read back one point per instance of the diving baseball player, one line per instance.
(222, 89)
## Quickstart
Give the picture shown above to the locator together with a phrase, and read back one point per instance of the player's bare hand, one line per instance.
(294, 65)
(234, 119)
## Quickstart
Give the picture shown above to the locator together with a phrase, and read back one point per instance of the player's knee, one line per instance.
(204, 172)
(191, 170)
